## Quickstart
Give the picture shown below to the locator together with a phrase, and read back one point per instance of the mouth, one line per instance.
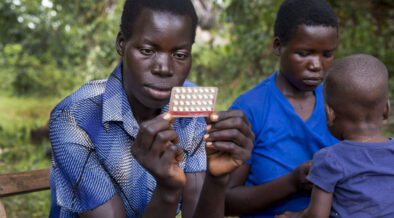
(313, 81)
(160, 93)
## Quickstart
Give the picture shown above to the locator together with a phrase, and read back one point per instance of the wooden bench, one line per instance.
(21, 183)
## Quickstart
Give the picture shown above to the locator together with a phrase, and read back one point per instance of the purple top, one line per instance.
(361, 176)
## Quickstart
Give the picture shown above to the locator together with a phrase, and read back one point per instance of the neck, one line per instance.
(289, 90)
(365, 136)
(142, 113)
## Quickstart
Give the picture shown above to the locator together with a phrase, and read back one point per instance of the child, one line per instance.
(287, 114)
(354, 178)
(114, 154)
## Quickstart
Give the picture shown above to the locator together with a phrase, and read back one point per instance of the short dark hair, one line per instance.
(133, 8)
(293, 13)
(360, 79)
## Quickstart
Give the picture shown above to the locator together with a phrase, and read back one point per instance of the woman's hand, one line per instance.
(155, 149)
(229, 141)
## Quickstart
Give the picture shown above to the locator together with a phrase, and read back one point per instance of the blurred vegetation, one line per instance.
(48, 48)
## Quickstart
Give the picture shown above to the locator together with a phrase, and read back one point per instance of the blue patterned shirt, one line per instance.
(91, 132)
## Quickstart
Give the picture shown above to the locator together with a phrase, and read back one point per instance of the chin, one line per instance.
(157, 104)
(309, 88)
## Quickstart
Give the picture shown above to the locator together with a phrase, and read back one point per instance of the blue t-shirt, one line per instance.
(361, 176)
(283, 140)
(91, 132)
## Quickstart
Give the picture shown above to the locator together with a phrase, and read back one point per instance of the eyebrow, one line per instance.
(309, 50)
(183, 46)
(146, 41)
(333, 49)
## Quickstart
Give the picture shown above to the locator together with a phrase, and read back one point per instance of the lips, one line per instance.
(160, 93)
(313, 81)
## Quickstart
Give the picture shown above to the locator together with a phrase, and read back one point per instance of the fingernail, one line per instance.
(176, 141)
(167, 116)
(209, 127)
(209, 144)
(214, 117)
(206, 136)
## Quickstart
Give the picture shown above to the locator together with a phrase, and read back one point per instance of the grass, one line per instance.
(17, 117)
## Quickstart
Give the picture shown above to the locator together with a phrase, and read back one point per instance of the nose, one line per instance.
(162, 65)
(316, 64)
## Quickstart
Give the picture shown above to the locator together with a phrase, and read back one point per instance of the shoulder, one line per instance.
(254, 96)
(85, 98)
(251, 101)
(327, 152)
(188, 83)
(329, 157)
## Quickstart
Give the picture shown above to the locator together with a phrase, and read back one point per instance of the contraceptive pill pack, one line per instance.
(192, 101)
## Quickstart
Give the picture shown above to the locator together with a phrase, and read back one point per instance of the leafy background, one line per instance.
(48, 48)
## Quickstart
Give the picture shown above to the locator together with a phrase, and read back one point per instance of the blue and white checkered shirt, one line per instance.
(91, 132)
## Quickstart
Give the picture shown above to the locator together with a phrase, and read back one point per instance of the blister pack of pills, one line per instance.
(192, 101)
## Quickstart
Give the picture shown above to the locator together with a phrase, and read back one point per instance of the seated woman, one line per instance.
(117, 153)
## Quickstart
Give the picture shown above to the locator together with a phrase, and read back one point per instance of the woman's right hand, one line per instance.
(298, 176)
(155, 149)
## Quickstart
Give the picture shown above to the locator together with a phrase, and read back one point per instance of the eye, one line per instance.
(180, 55)
(329, 54)
(303, 53)
(146, 51)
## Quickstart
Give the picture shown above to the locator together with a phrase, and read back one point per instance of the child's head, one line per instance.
(306, 38)
(356, 95)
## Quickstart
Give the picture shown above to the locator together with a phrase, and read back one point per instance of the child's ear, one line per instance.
(386, 112)
(120, 43)
(276, 46)
(330, 114)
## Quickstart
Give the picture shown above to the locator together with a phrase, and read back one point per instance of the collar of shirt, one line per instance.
(116, 107)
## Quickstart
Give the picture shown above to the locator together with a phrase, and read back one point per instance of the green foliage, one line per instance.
(17, 117)
(52, 47)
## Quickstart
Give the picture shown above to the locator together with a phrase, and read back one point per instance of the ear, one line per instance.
(386, 112)
(120, 43)
(276, 46)
(330, 115)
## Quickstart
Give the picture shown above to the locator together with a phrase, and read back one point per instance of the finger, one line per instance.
(167, 116)
(179, 154)
(228, 147)
(233, 135)
(307, 166)
(231, 123)
(169, 155)
(162, 141)
(309, 187)
(213, 117)
(222, 115)
(148, 131)
(220, 164)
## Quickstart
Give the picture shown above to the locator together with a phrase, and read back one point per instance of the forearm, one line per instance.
(310, 213)
(251, 199)
(320, 205)
(211, 201)
(164, 203)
